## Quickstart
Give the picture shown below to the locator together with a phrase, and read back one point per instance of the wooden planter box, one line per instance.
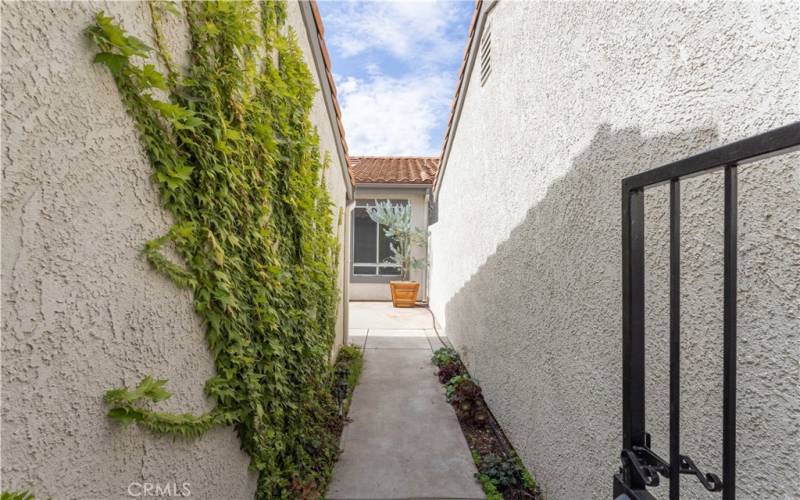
(404, 293)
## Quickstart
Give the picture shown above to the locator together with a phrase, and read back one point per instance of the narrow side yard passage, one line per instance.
(404, 440)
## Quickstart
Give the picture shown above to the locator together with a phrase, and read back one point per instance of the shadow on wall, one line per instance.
(539, 323)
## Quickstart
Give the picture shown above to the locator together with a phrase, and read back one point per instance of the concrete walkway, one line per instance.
(404, 441)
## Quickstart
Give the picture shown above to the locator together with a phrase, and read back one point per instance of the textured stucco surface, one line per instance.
(416, 198)
(526, 252)
(81, 309)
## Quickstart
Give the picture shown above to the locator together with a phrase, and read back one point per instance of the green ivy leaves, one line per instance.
(148, 388)
(237, 163)
(115, 62)
(106, 33)
(126, 408)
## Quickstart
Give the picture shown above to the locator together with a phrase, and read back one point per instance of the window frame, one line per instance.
(377, 277)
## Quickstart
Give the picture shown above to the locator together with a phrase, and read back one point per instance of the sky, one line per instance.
(395, 65)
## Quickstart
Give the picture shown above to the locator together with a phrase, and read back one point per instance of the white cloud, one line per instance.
(401, 58)
(408, 30)
(395, 116)
(347, 86)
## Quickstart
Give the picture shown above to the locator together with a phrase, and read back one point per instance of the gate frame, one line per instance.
(640, 465)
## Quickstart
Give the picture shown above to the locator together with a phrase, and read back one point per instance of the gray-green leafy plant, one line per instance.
(403, 236)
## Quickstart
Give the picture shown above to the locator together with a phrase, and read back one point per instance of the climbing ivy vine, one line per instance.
(237, 163)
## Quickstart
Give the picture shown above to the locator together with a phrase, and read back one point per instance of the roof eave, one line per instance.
(315, 30)
(482, 9)
(391, 185)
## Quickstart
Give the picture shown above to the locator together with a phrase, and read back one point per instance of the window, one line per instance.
(371, 247)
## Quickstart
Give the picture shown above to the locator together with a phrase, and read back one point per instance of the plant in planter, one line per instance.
(404, 238)
(501, 472)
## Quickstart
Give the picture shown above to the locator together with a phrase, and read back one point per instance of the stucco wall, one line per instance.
(416, 197)
(82, 311)
(526, 252)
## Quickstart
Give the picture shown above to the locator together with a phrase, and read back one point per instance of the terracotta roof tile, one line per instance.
(317, 18)
(329, 75)
(341, 128)
(325, 55)
(393, 169)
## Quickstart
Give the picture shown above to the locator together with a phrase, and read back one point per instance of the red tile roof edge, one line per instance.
(399, 157)
(317, 18)
(329, 76)
(401, 170)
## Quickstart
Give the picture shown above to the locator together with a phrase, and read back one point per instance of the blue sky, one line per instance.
(395, 66)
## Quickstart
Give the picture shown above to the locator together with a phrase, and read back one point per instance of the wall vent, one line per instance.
(486, 54)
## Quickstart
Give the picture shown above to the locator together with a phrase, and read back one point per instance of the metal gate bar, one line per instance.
(641, 467)
(674, 336)
(729, 337)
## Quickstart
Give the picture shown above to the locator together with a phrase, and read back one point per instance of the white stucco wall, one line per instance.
(526, 252)
(81, 310)
(419, 213)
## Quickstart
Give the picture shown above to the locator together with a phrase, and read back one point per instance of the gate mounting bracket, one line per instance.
(647, 465)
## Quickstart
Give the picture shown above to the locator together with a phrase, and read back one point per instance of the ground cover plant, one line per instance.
(16, 495)
(500, 470)
(237, 163)
(449, 364)
(347, 370)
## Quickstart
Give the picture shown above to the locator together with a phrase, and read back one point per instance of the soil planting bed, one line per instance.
(500, 470)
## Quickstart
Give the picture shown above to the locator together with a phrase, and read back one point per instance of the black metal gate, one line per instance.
(640, 465)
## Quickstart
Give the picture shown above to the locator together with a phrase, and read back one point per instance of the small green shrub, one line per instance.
(16, 495)
(353, 358)
(449, 370)
(489, 488)
(502, 471)
(444, 356)
(453, 383)
(449, 364)
(467, 400)
(346, 371)
(527, 477)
